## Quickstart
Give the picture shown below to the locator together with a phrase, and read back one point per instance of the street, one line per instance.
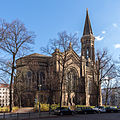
(104, 116)
(46, 116)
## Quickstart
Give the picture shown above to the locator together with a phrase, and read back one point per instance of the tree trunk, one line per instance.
(61, 86)
(106, 97)
(11, 81)
(98, 83)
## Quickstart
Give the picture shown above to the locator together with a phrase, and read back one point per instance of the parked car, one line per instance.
(78, 110)
(63, 111)
(100, 109)
(85, 110)
(111, 109)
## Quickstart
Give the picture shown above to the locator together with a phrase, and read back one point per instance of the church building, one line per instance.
(39, 76)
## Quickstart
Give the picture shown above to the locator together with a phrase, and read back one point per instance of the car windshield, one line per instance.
(78, 108)
(101, 107)
(61, 108)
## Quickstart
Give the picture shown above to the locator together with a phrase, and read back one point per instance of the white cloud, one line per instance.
(115, 25)
(103, 32)
(117, 45)
(98, 38)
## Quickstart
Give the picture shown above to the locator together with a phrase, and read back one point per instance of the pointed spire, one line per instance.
(87, 26)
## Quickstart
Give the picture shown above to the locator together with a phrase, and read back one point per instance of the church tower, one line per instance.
(87, 41)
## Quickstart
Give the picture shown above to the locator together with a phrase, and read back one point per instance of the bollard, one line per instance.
(3, 115)
(39, 115)
(99, 116)
(85, 116)
(17, 116)
(29, 115)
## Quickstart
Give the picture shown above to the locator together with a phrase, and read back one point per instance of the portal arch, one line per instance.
(71, 84)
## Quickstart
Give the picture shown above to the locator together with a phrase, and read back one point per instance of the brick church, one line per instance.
(38, 77)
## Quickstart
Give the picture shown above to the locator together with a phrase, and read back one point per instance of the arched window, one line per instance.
(29, 79)
(71, 86)
(87, 53)
(41, 78)
(71, 80)
(29, 74)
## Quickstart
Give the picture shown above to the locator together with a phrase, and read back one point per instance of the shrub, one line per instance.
(4, 109)
(15, 108)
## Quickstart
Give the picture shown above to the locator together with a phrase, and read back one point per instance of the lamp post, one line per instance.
(39, 96)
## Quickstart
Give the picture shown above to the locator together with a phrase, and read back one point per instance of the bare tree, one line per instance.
(52, 85)
(15, 39)
(62, 45)
(104, 69)
(109, 84)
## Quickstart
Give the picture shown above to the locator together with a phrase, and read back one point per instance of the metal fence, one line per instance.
(23, 116)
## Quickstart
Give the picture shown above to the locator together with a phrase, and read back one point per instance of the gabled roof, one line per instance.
(87, 26)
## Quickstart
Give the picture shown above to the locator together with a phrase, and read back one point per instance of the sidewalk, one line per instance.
(26, 116)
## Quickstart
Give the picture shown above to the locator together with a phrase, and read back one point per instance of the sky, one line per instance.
(48, 17)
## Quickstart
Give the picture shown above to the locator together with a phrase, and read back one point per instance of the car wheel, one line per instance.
(94, 112)
(85, 113)
(72, 113)
(61, 114)
(99, 112)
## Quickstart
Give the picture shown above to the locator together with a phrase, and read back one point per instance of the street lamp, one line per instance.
(39, 96)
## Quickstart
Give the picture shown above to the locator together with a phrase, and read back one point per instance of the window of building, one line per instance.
(42, 78)
(29, 79)
(87, 53)
(71, 80)
(29, 74)
(41, 98)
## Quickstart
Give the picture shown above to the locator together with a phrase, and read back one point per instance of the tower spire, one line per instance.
(87, 26)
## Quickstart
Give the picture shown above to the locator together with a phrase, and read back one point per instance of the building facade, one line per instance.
(113, 96)
(4, 94)
(42, 74)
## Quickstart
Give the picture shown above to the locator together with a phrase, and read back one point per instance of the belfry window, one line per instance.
(87, 53)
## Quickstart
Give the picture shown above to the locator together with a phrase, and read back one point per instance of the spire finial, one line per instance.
(87, 9)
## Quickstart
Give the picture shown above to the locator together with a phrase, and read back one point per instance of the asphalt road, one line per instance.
(45, 116)
(104, 116)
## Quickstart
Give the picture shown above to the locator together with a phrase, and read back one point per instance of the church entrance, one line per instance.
(71, 83)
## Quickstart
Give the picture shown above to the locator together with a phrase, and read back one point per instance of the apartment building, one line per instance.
(4, 94)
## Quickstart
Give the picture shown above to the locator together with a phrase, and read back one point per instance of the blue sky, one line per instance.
(48, 17)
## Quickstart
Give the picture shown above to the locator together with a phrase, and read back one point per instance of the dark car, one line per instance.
(63, 111)
(111, 109)
(85, 110)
